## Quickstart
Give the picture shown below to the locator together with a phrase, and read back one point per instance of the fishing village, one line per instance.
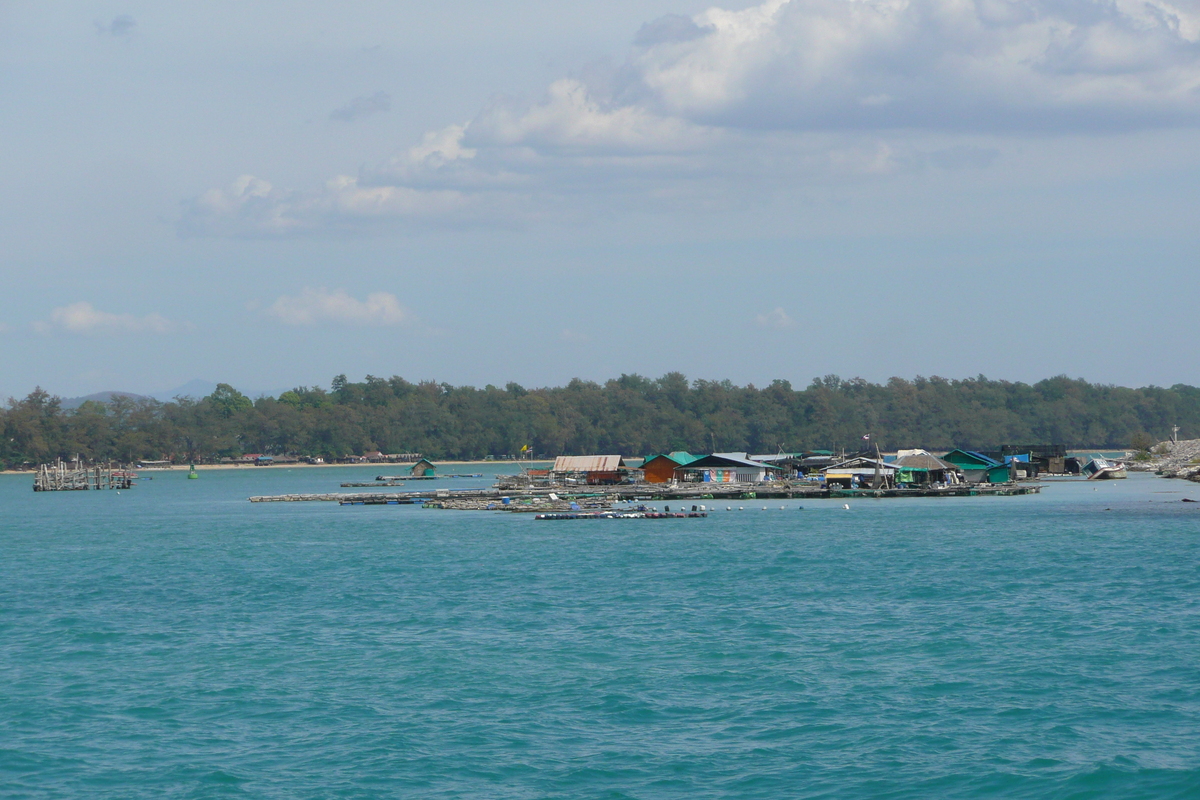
(607, 486)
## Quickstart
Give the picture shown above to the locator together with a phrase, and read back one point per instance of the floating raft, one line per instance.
(691, 493)
(381, 501)
(623, 515)
(395, 478)
(345, 498)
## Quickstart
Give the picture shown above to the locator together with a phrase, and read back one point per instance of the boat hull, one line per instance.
(1108, 474)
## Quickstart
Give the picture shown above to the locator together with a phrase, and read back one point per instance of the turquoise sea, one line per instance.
(174, 640)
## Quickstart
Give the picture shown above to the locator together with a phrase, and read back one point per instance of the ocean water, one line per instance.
(174, 640)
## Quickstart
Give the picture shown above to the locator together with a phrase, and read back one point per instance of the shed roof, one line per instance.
(860, 462)
(922, 460)
(728, 460)
(588, 463)
(680, 457)
(969, 456)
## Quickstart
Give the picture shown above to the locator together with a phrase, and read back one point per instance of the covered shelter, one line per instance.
(661, 468)
(593, 470)
(920, 467)
(860, 471)
(816, 461)
(1043, 457)
(975, 466)
(727, 468)
(423, 469)
(790, 463)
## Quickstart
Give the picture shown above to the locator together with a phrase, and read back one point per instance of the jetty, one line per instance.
(75, 476)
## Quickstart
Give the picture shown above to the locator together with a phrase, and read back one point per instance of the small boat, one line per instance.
(1101, 469)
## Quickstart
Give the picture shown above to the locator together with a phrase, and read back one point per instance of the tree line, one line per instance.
(631, 415)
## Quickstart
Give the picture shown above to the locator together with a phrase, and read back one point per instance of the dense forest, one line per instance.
(630, 415)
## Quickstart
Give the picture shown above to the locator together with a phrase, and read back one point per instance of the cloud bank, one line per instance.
(84, 319)
(315, 306)
(810, 88)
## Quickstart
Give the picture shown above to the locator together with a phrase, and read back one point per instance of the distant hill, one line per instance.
(71, 403)
(196, 389)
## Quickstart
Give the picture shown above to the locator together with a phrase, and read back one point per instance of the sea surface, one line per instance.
(174, 640)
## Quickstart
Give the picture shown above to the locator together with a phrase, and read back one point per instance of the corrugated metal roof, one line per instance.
(861, 463)
(679, 457)
(728, 459)
(984, 461)
(588, 463)
(923, 460)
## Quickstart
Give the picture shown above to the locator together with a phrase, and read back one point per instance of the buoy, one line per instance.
(729, 508)
(741, 508)
(846, 506)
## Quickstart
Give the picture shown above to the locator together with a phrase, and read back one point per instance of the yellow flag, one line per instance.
(524, 448)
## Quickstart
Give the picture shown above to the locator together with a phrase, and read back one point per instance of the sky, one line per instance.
(270, 194)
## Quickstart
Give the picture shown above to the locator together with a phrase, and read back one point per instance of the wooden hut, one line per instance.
(423, 469)
(661, 468)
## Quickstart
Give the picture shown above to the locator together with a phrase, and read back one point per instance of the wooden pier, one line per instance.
(74, 477)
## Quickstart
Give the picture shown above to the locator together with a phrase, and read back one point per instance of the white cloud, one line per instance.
(440, 147)
(573, 118)
(83, 318)
(775, 319)
(313, 306)
(936, 64)
(789, 92)
(252, 207)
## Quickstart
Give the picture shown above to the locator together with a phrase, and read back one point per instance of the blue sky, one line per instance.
(269, 194)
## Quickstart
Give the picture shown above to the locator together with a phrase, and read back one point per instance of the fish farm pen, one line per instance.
(74, 477)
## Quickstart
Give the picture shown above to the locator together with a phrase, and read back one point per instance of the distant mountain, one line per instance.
(70, 403)
(195, 388)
